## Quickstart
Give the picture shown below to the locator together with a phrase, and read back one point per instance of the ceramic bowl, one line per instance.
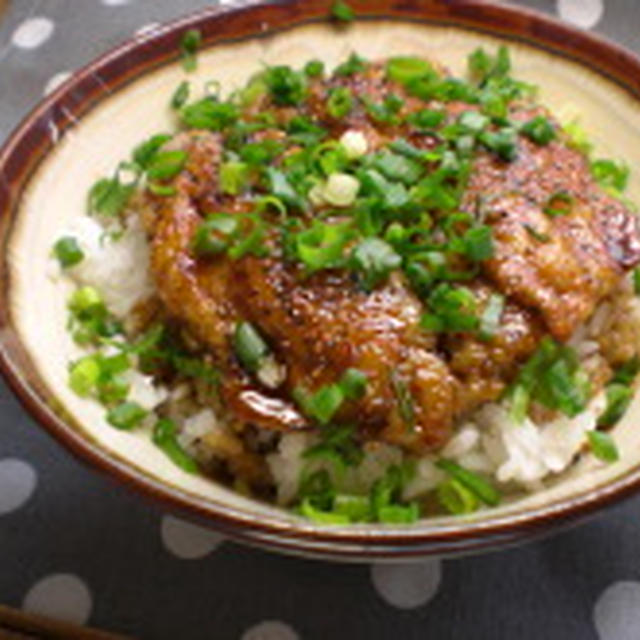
(80, 133)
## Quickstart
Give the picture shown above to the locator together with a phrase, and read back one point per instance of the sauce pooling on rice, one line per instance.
(362, 262)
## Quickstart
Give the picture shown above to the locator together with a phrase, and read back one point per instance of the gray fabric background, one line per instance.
(78, 522)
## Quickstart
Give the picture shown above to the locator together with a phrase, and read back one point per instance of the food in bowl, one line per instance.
(371, 295)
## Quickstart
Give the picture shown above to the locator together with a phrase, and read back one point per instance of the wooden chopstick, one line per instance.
(18, 625)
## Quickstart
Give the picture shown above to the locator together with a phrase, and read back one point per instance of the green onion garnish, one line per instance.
(619, 398)
(180, 95)
(286, 86)
(342, 12)
(610, 174)
(472, 481)
(340, 102)
(249, 346)
(404, 69)
(374, 259)
(164, 436)
(353, 384)
(490, 318)
(603, 446)
(68, 251)
(234, 177)
(126, 416)
(166, 164)
(189, 45)
(539, 130)
(314, 68)
(456, 498)
(214, 235)
(209, 113)
(535, 234)
(636, 281)
(83, 375)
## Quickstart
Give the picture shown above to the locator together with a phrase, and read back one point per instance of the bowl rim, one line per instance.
(30, 143)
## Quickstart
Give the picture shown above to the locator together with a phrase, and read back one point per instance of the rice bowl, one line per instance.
(517, 459)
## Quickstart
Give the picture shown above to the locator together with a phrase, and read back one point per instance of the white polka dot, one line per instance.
(33, 32)
(55, 81)
(617, 612)
(583, 13)
(62, 596)
(270, 630)
(186, 540)
(407, 586)
(147, 29)
(17, 483)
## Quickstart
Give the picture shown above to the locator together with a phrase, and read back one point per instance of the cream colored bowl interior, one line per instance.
(94, 146)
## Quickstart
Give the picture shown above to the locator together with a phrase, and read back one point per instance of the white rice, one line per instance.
(118, 268)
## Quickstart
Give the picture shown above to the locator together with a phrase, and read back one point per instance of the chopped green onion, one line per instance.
(340, 102)
(109, 196)
(209, 113)
(452, 310)
(404, 69)
(166, 164)
(322, 517)
(472, 481)
(552, 377)
(353, 384)
(322, 245)
(337, 445)
(374, 259)
(126, 416)
(354, 64)
(619, 398)
(385, 497)
(189, 45)
(180, 95)
(356, 508)
(144, 153)
(213, 236)
(249, 346)
(558, 204)
(503, 143)
(162, 190)
(477, 243)
(611, 174)
(287, 87)
(399, 513)
(490, 318)
(473, 121)
(386, 111)
(636, 281)
(85, 299)
(342, 12)
(404, 400)
(456, 498)
(68, 251)
(281, 188)
(84, 375)
(427, 118)
(603, 446)
(397, 167)
(537, 235)
(577, 137)
(234, 177)
(314, 68)
(165, 437)
(627, 373)
(321, 405)
(539, 130)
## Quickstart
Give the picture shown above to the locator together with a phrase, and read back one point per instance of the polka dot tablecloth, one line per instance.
(75, 547)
